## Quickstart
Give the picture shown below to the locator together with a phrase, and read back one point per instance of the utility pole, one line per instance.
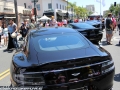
(16, 11)
(67, 9)
(35, 9)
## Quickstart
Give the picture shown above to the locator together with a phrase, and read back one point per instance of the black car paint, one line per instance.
(48, 66)
(93, 34)
(96, 24)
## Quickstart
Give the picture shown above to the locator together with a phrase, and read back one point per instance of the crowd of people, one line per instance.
(7, 30)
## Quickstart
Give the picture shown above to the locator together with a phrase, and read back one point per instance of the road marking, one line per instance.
(4, 74)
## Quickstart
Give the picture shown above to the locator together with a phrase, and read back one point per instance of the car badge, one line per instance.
(75, 74)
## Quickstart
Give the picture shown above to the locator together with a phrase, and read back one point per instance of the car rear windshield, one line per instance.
(83, 25)
(57, 42)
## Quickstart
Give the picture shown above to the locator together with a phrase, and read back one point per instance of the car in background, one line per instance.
(90, 32)
(96, 24)
(61, 59)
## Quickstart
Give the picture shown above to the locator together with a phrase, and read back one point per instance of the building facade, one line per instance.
(56, 8)
(90, 8)
(7, 11)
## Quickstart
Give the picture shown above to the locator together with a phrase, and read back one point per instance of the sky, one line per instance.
(96, 4)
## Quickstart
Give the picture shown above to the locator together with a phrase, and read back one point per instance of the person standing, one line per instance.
(12, 28)
(24, 29)
(53, 22)
(118, 24)
(114, 23)
(109, 29)
(64, 22)
(32, 24)
(5, 35)
(0, 32)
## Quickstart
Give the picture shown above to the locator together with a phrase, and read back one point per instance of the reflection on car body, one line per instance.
(97, 24)
(62, 59)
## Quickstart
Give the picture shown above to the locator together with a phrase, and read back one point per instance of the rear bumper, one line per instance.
(95, 38)
(103, 82)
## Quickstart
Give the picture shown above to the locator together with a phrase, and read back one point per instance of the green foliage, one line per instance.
(78, 10)
(114, 9)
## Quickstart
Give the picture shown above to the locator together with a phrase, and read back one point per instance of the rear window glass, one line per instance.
(83, 25)
(60, 42)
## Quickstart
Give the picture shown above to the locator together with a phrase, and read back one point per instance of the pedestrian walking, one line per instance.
(12, 30)
(1, 31)
(24, 29)
(80, 20)
(5, 35)
(109, 29)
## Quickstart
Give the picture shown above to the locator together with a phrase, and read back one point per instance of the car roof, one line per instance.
(52, 30)
(78, 23)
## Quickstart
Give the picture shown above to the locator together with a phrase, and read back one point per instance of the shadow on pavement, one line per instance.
(117, 45)
(9, 51)
(117, 77)
(104, 43)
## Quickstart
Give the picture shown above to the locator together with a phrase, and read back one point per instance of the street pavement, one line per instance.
(5, 60)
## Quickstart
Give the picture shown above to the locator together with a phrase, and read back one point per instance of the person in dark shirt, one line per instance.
(24, 29)
(109, 29)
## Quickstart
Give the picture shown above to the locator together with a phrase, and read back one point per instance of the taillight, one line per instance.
(29, 78)
(107, 66)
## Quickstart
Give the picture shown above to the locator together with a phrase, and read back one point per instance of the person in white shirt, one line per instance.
(80, 20)
(5, 35)
(64, 22)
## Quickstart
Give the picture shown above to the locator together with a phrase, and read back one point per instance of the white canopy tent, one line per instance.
(95, 14)
(44, 18)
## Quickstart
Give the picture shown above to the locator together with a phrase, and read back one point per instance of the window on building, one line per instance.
(25, 5)
(63, 7)
(38, 7)
(57, 5)
(60, 6)
(49, 5)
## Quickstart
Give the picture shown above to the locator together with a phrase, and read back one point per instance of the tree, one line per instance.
(114, 9)
(79, 11)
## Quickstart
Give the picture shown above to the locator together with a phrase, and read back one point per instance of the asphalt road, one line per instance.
(6, 57)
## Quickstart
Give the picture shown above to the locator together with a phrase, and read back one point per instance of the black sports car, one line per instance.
(89, 31)
(61, 59)
(96, 24)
